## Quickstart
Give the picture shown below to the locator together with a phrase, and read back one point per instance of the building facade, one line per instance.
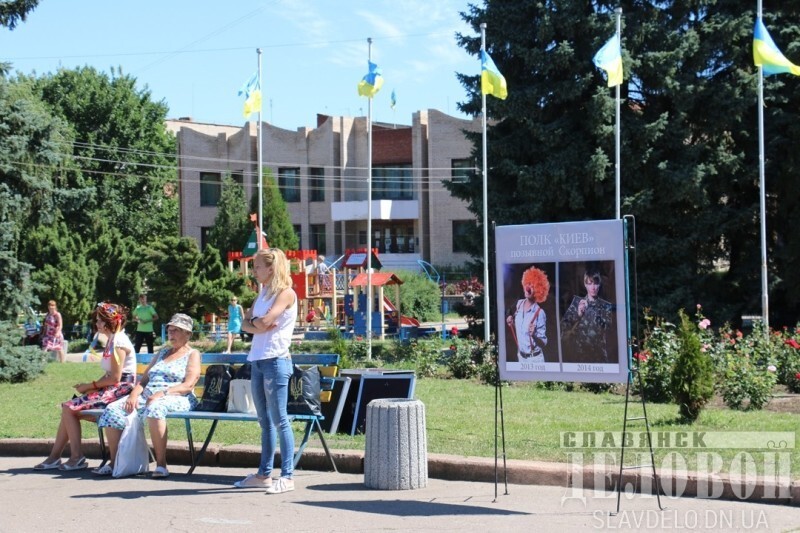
(321, 173)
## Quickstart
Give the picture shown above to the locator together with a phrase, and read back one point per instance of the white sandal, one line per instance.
(105, 470)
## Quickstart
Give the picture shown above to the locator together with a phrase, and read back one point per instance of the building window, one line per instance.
(461, 169)
(316, 185)
(460, 234)
(317, 238)
(298, 230)
(392, 183)
(205, 231)
(210, 189)
(289, 184)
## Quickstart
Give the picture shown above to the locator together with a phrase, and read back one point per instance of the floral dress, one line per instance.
(99, 398)
(162, 375)
(53, 339)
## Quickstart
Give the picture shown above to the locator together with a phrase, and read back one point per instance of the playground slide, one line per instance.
(404, 320)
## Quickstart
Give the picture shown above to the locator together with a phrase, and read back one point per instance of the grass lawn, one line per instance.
(460, 418)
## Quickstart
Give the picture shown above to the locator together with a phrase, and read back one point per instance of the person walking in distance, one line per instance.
(145, 315)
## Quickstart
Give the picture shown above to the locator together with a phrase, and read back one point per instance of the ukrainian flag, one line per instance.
(372, 82)
(252, 95)
(609, 58)
(492, 82)
(767, 56)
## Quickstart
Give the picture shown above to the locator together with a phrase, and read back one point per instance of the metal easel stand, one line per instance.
(629, 230)
(498, 416)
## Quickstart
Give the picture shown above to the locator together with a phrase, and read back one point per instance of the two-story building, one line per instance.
(322, 176)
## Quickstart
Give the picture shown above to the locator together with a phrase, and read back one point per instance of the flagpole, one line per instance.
(762, 192)
(485, 208)
(618, 12)
(260, 163)
(369, 214)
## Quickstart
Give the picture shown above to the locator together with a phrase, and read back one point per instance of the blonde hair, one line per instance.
(280, 279)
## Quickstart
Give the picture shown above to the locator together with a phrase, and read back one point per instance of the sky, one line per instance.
(195, 55)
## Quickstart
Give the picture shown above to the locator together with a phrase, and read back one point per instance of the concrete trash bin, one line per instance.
(396, 454)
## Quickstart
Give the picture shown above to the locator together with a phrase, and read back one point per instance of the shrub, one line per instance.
(656, 361)
(420, 297)
(746, 367)
(461, 363)
(485, 355)
(18, 363)
(787, 361)
(692, 380)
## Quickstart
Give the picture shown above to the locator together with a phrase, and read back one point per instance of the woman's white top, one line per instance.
(121, 341)
(275, 341)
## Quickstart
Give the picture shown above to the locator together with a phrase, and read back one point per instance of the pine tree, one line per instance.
(277, 222)
(232, 225)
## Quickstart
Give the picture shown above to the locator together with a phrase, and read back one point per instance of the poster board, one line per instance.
(562, 313)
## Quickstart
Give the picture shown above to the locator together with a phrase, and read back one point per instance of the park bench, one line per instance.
(328, 368)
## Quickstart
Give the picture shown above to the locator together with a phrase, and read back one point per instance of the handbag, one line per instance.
(133, 455)
(216, 387)
(304, 388)
(240, 394)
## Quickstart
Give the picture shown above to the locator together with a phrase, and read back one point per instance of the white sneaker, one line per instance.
(254, 482)
(282, 485)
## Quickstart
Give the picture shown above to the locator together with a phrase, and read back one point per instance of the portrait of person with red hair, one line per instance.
(528, 321)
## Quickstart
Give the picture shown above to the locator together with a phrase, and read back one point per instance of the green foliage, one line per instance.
(656, 360)
(420, 297)
(18, 363)
(747, 368)
(461, 363)
(277, 222)
(215, 283)
(67, 274)
(12, 12)
(124, 150)
(693, 374)
(172, 270)
(232, 225)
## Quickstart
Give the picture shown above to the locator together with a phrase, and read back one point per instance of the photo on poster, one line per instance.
(588, 321)
(576, 329)
(530, 316)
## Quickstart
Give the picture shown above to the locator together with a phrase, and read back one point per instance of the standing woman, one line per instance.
(53, 339)
(119, 365)
(235, 316)
(271, 321)
(167, 385)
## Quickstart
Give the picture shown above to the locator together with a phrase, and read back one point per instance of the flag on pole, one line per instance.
(492, 82)
(609, 58)
(393, 100)
(767, 56)
(252, 95)
(372, 82)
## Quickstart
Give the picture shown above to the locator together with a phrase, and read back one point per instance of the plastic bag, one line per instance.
(133, 455)
(215, 389)
(240, 397)
(304, 388)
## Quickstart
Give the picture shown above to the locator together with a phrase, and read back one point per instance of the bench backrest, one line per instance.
(328, 364)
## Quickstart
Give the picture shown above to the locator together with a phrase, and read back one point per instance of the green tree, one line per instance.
(277, 222)
(216, 284)
(67, 274)
(12, 12)
(172, 270)
(32, 146)
(123, 148)
(232, 225)
(692, 380)
(688, 128)
(119, 277)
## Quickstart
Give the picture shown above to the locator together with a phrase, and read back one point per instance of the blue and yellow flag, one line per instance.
(492, 82)
(609, 58)
(767, 56)
(252, 95)
(372, 82)
(393, 100)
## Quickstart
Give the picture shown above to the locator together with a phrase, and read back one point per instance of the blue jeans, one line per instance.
(269, 379)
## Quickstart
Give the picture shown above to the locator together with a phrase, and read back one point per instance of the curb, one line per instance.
(574, 478)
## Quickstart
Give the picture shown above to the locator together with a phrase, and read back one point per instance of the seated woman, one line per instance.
(167, 385)
(119, 366)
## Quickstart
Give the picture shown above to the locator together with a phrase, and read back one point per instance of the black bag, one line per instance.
(243, 372)
(304, 389)
(215, 389)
